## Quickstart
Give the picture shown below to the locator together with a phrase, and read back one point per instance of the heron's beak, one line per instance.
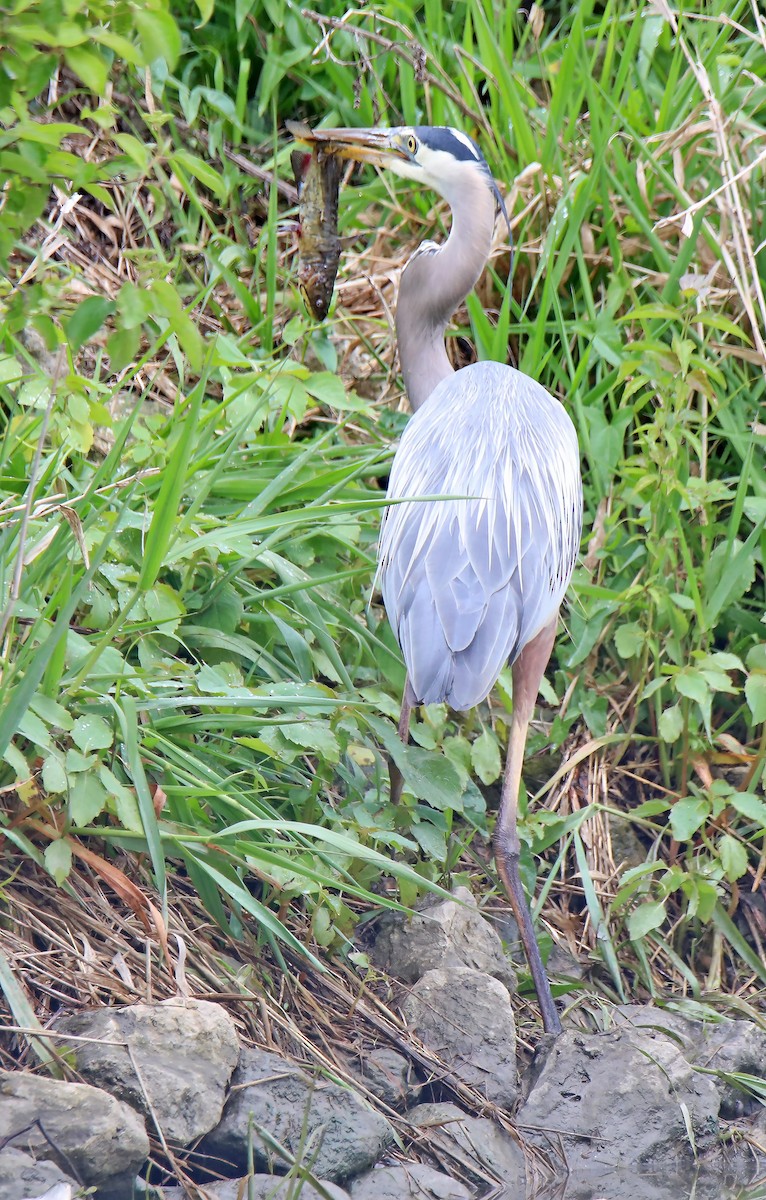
(381, 147)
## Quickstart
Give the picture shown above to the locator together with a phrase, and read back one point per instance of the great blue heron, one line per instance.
(475, 580)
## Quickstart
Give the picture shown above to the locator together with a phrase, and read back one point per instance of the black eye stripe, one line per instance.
(441, 137)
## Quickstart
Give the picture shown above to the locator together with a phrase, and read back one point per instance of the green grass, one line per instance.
(190, 665)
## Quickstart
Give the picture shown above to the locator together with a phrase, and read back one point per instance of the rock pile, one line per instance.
(630, 1111)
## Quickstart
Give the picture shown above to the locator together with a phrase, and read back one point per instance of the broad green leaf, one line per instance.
(91, 733)
(686, 816)
(693, 684)
(205, 9)
(124, 798)
(11, 369)
(646, 918)
(427, 775)
(315, 736)
(485, 757)
(629, 639)
(756, 657)
(122, 347)
(650, 808)
(164, 606)
(75, 761)
(87, 319)
(159, 35)
(170, 306)
(87, 798)
(750, 806)
(431, 840)
(755, 694)
(55, 779)
(327, 388)
(58, 859)
(733, 857)
(89, 65)
(140, 154)
(671, 723)
(31, 727)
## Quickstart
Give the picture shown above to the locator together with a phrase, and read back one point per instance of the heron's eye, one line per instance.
(412, 143)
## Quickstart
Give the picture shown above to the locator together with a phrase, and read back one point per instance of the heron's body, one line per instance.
(475, 561)
(470, 579)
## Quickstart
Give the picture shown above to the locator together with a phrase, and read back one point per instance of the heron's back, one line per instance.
(469, 580)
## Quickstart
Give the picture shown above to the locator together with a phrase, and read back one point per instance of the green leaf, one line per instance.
(58, 859)
(87, 319)
(122, 348)
(164, 606)
(87, 799)
(431, 841)
(671, 723)
(89, 66)
(327, 388)
(11, 369)
(55, 778)
(205, 10)
(170, 306)
(756, 657)
(692, 684)
(485, 757)
(733, 857)
(125, 803)
(755, 694)
(315, 736)
(202, 171)
(730, 931)
(164, 523)
(629, 639)
(140, 155)
(427, 775)
(159, 35)
(750, 806)
(33, 728)
(646, 918)
(91, 733)
(686, 816)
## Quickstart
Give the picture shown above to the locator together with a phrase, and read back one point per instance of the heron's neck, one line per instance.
(434, 284)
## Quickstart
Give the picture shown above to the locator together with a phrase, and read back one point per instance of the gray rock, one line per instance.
(466, 1018)
(413, 1180)
(734, 1047)
(679, 1029)
(389, 1076)
(620, 1184)
(99, 1138)
(22, 1176)
(328, 1128)
(615, 1102)
(449, 935)
(172, 1061)
(483, 1147)
(259, 1187)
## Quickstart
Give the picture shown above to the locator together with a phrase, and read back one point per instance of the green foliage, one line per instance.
(190, 669)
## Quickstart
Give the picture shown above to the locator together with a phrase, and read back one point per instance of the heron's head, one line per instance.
(435, 156)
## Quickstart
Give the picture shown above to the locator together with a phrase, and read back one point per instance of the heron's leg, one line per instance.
(527, 673)
(394, 774)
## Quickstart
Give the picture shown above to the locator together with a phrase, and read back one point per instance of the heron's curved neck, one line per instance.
(434, 284)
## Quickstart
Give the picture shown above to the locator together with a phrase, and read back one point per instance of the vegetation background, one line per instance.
(198, 687)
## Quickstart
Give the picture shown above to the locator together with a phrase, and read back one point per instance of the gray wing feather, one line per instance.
(469, 578)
